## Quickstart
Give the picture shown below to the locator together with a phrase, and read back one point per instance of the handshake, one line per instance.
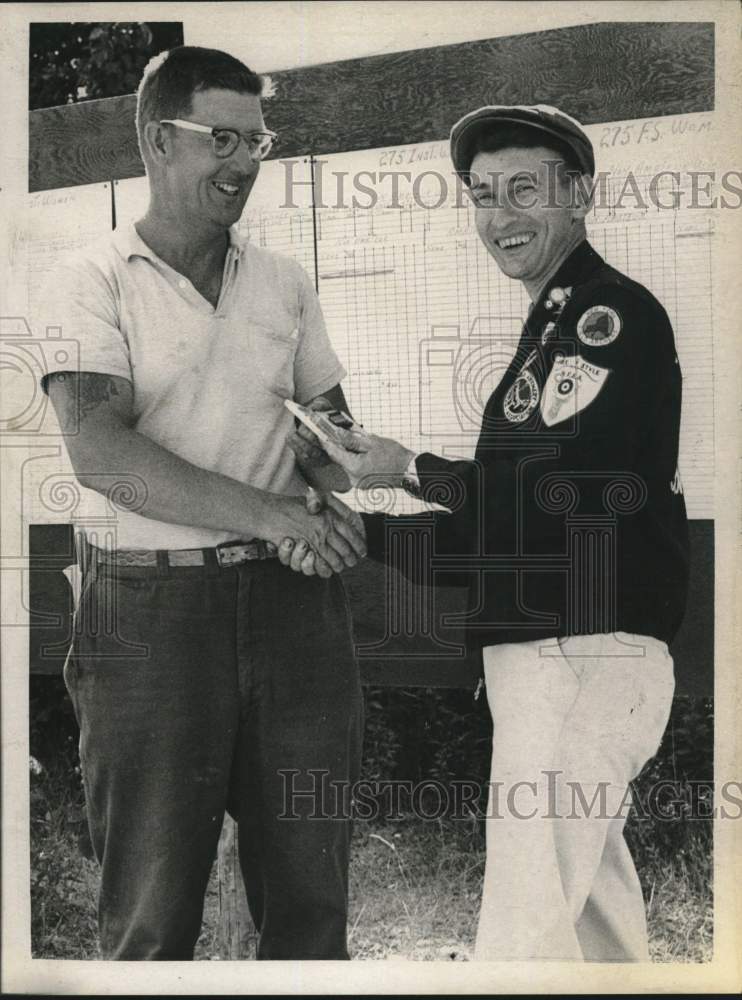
(322, 535)
(319, 535)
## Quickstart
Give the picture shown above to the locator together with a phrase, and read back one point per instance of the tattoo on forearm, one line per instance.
(94, 390)
(88, 391)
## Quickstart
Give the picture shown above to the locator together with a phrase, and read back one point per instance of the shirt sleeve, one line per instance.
(317, 367)
(80, 300)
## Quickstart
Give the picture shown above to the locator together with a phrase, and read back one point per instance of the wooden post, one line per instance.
(237, 934)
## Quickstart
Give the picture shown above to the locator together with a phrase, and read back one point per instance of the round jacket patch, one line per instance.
(521, 399)
(598, 326)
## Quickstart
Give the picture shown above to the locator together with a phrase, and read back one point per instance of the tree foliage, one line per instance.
(78, 61)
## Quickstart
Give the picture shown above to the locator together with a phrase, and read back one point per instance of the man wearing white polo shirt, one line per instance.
(219, 667)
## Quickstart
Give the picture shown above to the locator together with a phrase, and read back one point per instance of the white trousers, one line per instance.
(575, 720)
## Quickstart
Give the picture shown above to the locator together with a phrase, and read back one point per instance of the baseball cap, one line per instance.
(551, 121)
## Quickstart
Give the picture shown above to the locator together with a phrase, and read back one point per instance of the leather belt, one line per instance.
(227, 554)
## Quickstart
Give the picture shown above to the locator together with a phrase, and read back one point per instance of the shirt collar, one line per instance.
(130, 244)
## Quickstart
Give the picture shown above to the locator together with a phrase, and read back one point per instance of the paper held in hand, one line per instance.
(328, 425)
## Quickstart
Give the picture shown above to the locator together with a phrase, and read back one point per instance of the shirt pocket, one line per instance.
(274, 352)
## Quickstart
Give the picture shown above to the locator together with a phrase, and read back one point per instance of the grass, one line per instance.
(415, 885)
(415, 888)
(64, 882)
(680, 906)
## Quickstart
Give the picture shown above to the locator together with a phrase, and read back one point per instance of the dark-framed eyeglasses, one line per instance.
(226, 140)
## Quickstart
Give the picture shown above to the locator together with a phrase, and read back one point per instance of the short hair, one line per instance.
(493, 139)
(171, 79)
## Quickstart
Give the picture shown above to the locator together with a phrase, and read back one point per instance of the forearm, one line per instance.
(324, 478)
(450, 483)
(139, 475)
(454, 485)
(449, 550)
(96, 415)
(318, 470)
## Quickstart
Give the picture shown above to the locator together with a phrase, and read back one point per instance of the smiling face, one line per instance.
(201, 189)
(526, 214)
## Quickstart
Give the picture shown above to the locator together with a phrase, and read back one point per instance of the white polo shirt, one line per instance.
(209, 383)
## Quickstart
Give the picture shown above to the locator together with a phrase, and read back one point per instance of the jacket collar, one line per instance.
(576, 269)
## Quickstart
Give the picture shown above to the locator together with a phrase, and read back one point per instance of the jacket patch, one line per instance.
(522, 398)
(599, 326)
(573, 384)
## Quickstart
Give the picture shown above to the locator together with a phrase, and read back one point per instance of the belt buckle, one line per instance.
(236, 553)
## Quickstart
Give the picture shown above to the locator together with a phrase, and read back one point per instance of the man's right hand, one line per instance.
(369, 459)
(336, 539)
(314, 463)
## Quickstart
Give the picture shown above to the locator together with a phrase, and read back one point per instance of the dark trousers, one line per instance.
(197, 689)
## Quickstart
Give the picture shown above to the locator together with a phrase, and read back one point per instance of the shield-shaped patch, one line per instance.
(573, 384)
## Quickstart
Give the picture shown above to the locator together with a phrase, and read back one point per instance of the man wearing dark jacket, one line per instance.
(570, 528)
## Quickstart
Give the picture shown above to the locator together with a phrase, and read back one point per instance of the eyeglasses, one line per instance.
(226, 140)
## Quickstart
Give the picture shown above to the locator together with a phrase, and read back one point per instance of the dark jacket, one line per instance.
(571, 518)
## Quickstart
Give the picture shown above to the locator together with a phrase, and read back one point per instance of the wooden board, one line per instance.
(385, 658)
(237, 936)
(597, 72)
